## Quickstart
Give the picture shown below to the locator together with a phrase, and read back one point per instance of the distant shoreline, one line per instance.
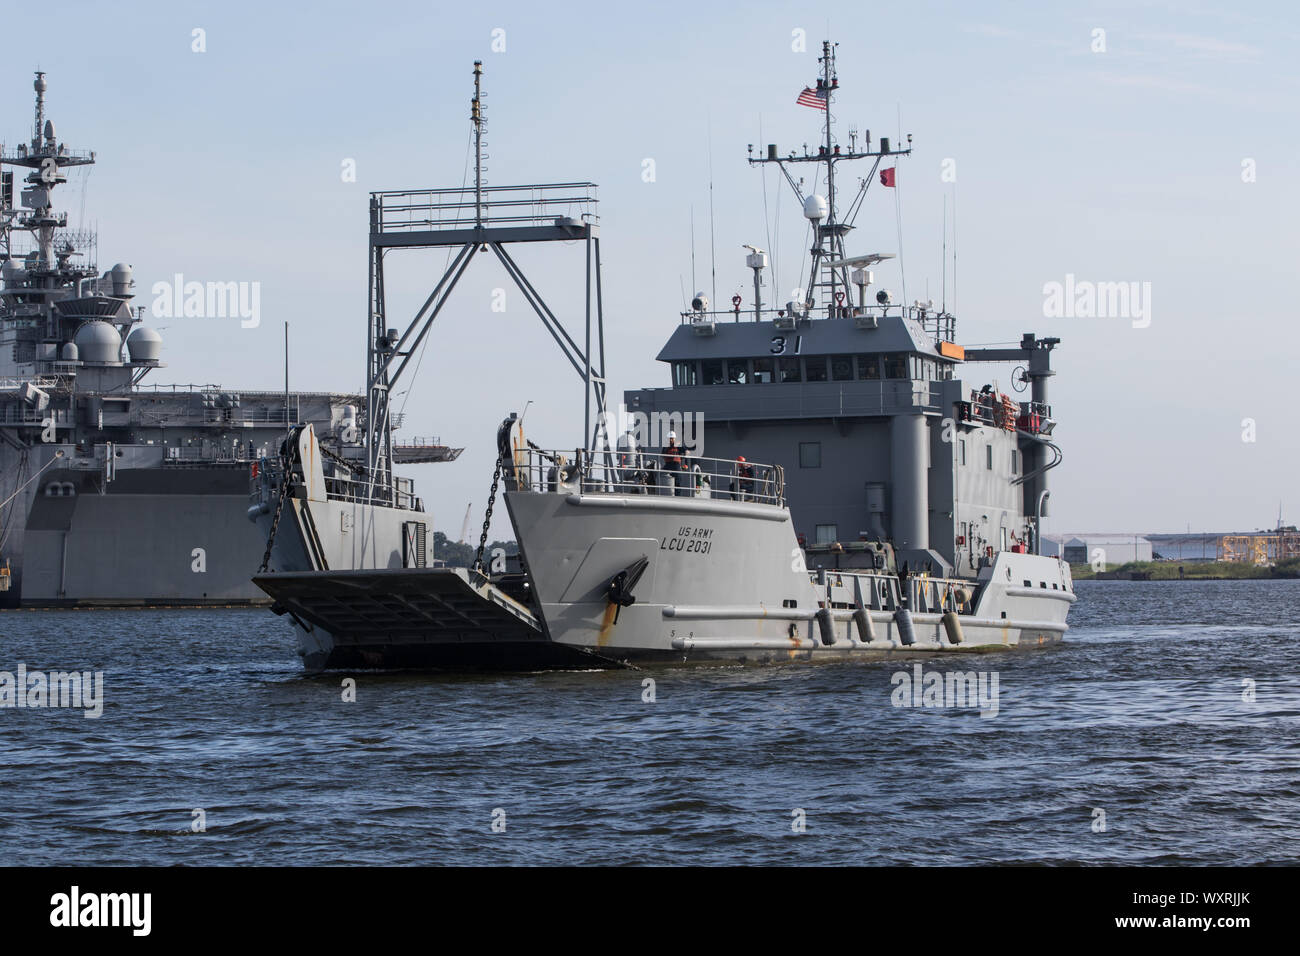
(1188, 579)
(1201, 571)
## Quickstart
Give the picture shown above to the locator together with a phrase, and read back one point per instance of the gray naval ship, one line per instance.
(112, 491)
(860, 498)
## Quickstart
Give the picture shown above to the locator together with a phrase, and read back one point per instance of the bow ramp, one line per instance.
(416, 617)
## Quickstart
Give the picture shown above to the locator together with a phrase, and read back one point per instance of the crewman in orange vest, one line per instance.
(672, 456)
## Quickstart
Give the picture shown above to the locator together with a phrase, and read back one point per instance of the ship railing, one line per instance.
(418, 210)
(1035, 418)
(625, 472)
(989, 408)
(64, 155)
(998, 410)
(256, 415)
(419, 442)
(38, 381)
(360, 491)
(940, 325)
(250, 393)
(25, 415)
(219, 455)
(885, 591)
(23, 311)
(339, 487)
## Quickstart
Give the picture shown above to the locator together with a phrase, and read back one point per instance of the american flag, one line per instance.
(814, 98)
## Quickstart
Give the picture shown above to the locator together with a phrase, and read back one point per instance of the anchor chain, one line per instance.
(275, 521)
(487, 518)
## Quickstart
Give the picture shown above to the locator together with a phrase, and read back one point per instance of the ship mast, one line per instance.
(476, 114)
(829, 82)
(829, 230)
(47, 159)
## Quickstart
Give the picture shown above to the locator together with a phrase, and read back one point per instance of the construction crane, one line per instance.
(464, 528)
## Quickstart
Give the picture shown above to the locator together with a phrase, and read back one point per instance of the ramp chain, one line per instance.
(487, 518)
(275, 522)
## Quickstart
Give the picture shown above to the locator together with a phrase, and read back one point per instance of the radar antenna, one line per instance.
(828, 253)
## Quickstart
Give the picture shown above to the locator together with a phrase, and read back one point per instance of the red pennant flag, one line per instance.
(887, 177)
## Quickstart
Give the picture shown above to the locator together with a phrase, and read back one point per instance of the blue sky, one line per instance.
(1122, 165)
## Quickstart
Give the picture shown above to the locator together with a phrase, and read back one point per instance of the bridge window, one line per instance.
(868, 367)
(842, 368)
(711, 372)
(790, 371)
(816, 368)
(738, 371)
(685, 373)
(764, 371)
(896, 366)
(810, 454)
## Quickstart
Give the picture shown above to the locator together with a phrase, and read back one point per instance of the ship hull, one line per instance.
(150, 537)
(723, 583)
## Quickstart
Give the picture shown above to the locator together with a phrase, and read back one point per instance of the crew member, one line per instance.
(672, 456)
(744, 478)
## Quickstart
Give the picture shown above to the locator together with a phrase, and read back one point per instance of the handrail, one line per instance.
(636, 472)
(431, 209)
(420, 442)
(745, 313)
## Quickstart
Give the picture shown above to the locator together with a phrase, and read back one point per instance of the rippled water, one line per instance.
(1140, 714)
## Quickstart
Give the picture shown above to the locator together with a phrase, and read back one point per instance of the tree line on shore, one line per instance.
(1194, 570)
(460, 554)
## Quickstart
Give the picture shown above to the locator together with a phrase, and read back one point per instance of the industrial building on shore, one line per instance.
(1252, 547)
(1104, 549)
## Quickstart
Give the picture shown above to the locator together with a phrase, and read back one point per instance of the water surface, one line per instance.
(1140, 714)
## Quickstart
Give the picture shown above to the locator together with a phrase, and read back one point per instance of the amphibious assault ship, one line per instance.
(112, 491)
(896, 508)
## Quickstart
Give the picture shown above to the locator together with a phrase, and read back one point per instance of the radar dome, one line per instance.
(120, 276)
(815, 208)
(144, 345)
(70, 353)
(98, 342)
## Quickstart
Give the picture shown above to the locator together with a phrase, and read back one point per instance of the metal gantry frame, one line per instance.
(473, 220)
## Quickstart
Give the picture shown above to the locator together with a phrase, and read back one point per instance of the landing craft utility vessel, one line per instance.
(113, 492)
(897, 509)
